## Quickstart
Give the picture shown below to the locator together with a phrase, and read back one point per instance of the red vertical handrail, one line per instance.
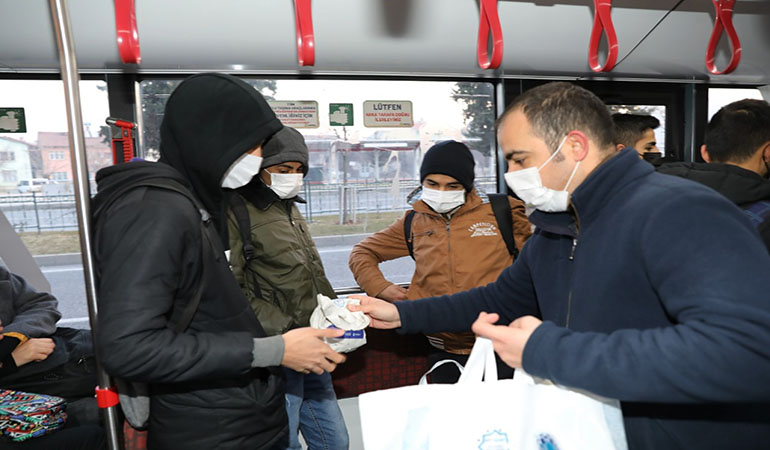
(603, 24)
(128, 37)
(723, 23)
(305, 38)
(489, 21)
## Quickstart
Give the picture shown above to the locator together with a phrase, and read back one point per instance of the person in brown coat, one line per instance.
(456, 245)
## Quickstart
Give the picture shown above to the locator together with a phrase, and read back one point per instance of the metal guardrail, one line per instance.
(36, 212)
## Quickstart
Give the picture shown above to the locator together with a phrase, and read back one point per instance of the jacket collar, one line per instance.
(261, 196)
(741, 186)
(593, 194)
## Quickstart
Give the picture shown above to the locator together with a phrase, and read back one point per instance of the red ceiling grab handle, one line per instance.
(603, 23)
(128, 38)
(305, 38)
(723, 22)
(489, 21)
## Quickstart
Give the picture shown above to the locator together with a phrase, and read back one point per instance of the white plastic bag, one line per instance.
(523, 414)
(333, 313)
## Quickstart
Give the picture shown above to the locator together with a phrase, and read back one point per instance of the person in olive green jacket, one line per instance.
(281, 273)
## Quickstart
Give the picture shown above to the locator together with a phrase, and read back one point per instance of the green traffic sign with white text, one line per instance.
(340, 114)
(12, 120)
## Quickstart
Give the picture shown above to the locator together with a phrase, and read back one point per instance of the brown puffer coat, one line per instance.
(451, 255)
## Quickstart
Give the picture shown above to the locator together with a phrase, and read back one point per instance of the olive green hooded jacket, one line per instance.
(286, 264)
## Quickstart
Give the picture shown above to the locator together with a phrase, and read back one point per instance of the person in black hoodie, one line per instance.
(737, 153)
(214, 384)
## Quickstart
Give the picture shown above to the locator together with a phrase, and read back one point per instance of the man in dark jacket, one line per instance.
(282, 277)
(637, 286)
(737, 153)
(214, 385)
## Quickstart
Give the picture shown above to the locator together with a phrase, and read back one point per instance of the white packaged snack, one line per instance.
(333, 313)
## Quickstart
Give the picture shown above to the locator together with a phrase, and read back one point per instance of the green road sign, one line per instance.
(340, 114)
(12, 120)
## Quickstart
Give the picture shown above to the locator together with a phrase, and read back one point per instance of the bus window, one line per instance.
(361, 170)
(719, 97)
(36, 194)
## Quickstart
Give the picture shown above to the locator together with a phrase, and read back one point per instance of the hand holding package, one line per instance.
(333, 313)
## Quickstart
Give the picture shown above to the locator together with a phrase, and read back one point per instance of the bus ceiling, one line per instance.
(658, 40)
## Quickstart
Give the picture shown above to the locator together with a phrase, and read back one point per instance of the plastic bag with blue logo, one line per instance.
(523, 413)
(333, 313)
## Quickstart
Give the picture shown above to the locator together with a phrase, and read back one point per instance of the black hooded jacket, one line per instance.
(148, 247)
(742, 187)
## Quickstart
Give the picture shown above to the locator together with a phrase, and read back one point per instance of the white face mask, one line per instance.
(242, 171)
(443, 201)
(528, 186)
(286, 185)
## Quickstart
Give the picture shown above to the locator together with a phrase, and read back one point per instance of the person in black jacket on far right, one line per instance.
(737, 153)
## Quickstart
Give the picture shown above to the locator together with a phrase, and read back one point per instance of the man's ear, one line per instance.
(577, 143)
(766, 152)
(619, 147)
(704, 153)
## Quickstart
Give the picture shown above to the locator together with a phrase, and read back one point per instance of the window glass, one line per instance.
(36, 193)
(657, 111)
(360, 176)
(719, 97)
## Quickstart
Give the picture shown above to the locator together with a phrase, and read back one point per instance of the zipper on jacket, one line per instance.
(572, 269)
(449, 256)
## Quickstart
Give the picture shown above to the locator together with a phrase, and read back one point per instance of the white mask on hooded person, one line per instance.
(443, 201)
(286, 185)
(242, 171)
(528, 186)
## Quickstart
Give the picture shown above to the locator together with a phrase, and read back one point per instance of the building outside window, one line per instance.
(7, 156)
(56, 156)
(10, 176)
(59, 176)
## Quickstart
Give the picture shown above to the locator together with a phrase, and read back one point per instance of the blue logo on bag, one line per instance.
(494, 440)
(339, 302)
(545, 442)
(350, 334)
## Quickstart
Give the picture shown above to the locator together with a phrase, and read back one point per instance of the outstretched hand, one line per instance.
(381, 314)
(509, 341)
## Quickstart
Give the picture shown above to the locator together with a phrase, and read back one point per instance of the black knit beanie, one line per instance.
(449, 158)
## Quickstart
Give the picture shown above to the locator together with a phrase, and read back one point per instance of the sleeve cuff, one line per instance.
(539, 351)
(267, 351)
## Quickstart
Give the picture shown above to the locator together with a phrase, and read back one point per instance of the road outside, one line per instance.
(68, 286)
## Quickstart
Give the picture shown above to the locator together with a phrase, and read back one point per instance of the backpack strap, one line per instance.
(238, 205)
(408, 232)
(501, 206)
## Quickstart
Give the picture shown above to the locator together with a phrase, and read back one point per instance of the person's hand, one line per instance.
(509, 341)
(304, 350)
(381, 313)
(35, 349)
(393, 293)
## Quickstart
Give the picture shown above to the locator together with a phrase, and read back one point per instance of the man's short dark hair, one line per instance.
(629, 128)
(737, 131)
(555, 109)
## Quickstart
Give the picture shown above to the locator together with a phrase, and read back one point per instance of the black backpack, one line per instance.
(501, 206)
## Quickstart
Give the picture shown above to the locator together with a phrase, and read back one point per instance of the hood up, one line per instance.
(210, 121)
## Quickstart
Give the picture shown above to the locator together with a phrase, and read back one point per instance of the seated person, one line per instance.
(37, 357)
(456, 245)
